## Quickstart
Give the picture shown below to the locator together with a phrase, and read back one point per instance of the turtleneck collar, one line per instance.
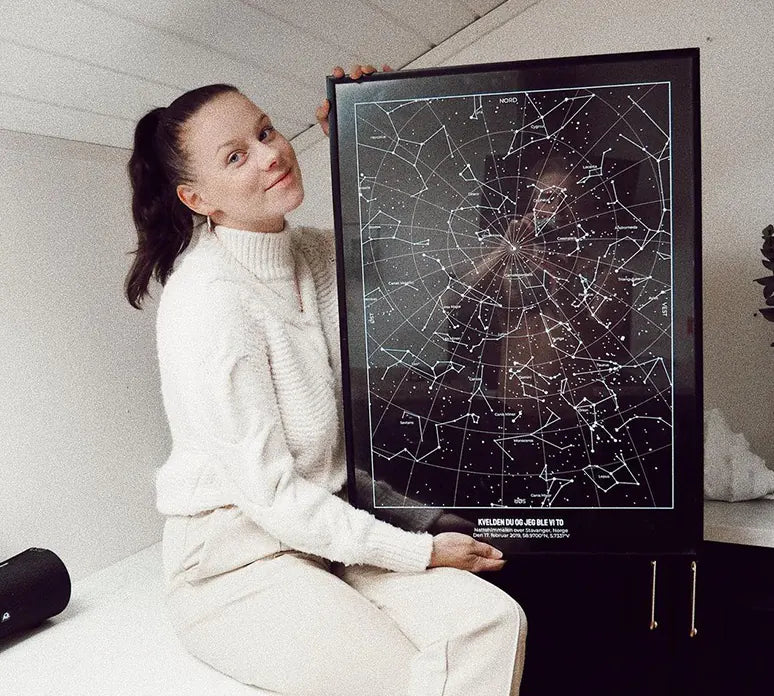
(266, 254)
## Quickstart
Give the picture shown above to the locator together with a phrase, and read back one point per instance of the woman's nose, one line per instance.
(267, 155)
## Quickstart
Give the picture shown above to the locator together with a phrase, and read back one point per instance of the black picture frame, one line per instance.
(393, 136)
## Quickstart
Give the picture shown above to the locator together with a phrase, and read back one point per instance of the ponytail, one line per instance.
(157, 165)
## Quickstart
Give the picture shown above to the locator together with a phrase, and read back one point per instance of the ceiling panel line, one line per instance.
(91, 64)
(436, 19)
(68, 107)
(487, 23)
(361, 27)
(476, 6)
(236, 57)
(468, 6)
(397, 21)
(321, 39)
(23, 141)
(57, 40)
(491, 20)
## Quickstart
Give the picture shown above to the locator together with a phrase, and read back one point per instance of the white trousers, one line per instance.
(301, 625)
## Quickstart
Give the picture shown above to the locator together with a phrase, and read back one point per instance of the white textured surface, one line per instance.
(112, 639)
(750, 522)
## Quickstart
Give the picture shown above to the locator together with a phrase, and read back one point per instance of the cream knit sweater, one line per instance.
(252, 391)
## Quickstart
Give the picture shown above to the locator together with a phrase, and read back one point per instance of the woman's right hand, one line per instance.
(357, 72)
(462, 551)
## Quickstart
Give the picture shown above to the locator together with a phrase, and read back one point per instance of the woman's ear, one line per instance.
(190, 198)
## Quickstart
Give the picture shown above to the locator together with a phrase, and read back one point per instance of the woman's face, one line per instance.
(245, 173)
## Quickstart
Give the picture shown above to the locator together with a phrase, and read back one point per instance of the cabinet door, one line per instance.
(735, 609)
(589, 623)
(686, 623)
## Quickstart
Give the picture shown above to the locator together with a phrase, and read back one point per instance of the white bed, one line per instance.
(112, 639)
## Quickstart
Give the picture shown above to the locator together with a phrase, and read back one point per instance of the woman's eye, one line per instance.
(235, 157)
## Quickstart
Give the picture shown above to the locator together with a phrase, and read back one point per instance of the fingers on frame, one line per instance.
(338, 71)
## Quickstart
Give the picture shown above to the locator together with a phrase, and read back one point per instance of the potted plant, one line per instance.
(768, 281)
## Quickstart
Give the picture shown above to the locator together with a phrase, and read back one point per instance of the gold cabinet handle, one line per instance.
(694, 630)
(653, 622)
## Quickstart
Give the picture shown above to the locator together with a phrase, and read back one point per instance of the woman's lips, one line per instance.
(283, 178)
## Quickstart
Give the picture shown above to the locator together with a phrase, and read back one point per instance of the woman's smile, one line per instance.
(282, 180)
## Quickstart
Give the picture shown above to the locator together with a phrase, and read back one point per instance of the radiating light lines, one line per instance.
(516, 260)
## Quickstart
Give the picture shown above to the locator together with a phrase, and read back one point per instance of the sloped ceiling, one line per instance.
(88, 70)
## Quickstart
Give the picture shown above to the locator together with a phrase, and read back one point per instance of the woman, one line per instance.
(271, 575)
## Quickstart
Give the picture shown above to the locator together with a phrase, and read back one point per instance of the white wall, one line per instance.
(81, 419)
(737, 114)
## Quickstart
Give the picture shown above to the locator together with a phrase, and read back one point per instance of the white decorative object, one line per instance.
(731, 471)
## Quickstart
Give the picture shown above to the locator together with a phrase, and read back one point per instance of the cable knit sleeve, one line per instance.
(235, 431)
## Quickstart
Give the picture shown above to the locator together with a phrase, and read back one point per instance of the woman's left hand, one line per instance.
(357, 71)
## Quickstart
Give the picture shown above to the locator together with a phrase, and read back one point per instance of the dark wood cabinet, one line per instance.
(737, 601)
(590, 622)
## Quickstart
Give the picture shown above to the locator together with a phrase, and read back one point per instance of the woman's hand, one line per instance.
(462, 551)
(357, 71)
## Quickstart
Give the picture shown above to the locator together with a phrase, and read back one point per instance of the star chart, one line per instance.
(517, 296)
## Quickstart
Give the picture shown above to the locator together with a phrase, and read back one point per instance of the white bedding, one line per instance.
(112, 639)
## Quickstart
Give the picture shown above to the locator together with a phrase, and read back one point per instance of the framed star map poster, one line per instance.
(518, 250)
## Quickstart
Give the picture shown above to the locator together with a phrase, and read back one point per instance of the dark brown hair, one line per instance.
(159, 162)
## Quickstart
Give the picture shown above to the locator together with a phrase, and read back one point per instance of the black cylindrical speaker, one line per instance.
(34, 585)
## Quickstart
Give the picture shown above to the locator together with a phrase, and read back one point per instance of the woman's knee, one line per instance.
(503, 610)
(482, 601)
(515, 616)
